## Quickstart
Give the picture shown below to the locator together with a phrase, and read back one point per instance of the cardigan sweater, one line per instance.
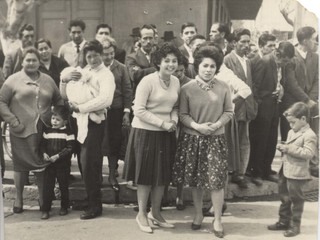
(153, 104)
(201, 106)
(26, 100)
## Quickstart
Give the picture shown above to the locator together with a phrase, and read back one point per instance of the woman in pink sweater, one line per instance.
(201, 159)
(152, 144)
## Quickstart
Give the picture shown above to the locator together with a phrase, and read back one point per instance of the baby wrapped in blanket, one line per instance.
(80, 92)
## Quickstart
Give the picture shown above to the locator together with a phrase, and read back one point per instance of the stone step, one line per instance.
(77, 191)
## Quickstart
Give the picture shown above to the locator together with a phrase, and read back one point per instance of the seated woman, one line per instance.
(201, 159)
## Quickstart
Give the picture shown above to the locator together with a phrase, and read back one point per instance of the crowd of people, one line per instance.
(196, 113)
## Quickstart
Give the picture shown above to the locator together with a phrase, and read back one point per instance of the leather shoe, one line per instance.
(180, 205)
(239, 180)
(89, 215)
(272, 178)
(63, 212)
(195, 226)
(291, 232)
(257, 181)
(45, 215)
(278, 226)
(17, 209)
(218, 234)
(146, 229)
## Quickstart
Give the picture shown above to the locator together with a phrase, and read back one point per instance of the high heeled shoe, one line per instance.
(218, 234)
(146, 229)
(160, 224)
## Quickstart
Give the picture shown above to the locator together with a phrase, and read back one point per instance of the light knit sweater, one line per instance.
(154, 104)
(201, 106)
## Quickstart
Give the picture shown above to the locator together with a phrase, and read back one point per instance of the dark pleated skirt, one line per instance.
(201, 162)
(149, 157)
(26, 152)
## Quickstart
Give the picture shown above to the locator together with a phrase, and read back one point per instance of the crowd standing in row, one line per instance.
(199, 112)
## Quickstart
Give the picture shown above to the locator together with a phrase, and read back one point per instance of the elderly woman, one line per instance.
(151, 146)
(201, 159)
(26, 99)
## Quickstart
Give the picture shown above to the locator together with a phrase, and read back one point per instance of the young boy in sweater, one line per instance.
(297, 152)
(57, 145)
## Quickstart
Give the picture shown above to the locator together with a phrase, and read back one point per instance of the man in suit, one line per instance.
(103, 30)
(267, 44)
(139, 64)
(72, 52)
(268, 72)
(223, 31)
(245, 110)
(13, 60)
(306, 73)
(188, 30)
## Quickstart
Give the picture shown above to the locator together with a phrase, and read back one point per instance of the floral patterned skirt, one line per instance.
(201, 162)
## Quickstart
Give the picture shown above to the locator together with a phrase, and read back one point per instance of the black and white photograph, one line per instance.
(159, 119)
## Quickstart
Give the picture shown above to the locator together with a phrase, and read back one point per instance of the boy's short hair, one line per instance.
(188, 24)
(298, 110)
(25, 27)
(77, 23)
(61, 111)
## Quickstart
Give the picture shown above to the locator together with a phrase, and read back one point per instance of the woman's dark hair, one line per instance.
(163, 51)
(61, 111)
(184, 61)
(93, 45)
(298, 110)
(30, 50)
(208, 50)
(42, 40)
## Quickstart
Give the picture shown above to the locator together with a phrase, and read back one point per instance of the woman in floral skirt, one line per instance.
(201, 159)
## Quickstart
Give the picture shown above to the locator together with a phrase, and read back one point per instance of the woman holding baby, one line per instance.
(100, 81)
(26, 99)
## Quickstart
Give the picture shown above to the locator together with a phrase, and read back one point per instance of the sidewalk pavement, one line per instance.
(242, 221)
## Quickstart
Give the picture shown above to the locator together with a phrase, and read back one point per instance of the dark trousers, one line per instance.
(91, 162)
(111, 145)
(2, 163)
(292, 200)
(263, 132)
(60, 172)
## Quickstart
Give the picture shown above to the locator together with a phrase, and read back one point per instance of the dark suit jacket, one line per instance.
(56, 67)
(246, 110)
(264, 77)
(12, 63)
(293, 92)
(307, 73)
(120, 55)
(122, 97)
(184, 51)
(1, 58)
(138, 66)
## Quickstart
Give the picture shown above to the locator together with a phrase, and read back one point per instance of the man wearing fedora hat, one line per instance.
(128, 45)
(139, 64)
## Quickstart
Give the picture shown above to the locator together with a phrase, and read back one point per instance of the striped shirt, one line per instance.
(58, 141)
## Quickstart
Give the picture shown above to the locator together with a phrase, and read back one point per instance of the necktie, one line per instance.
(78, 48)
